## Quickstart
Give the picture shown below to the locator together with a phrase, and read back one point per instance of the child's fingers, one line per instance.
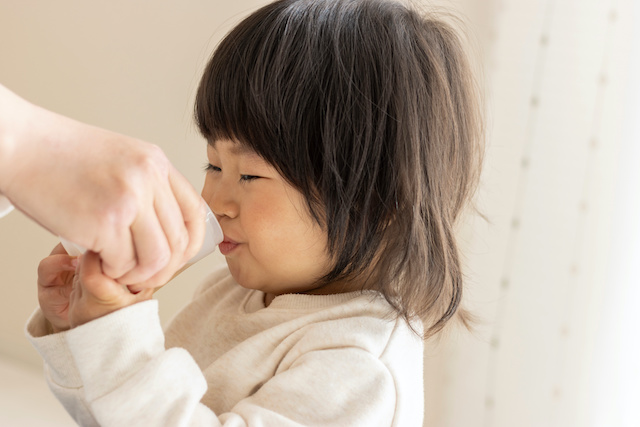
(91, 277)
(143, 295)
(59, 250)
(119, 254)
(95, 295)
(95, 284)
(50, 268)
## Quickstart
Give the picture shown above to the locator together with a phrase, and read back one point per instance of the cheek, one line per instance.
(206, 190)
(285, 231)
(266, 225)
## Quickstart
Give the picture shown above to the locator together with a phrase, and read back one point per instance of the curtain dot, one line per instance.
(544, 40)
(584, 206)
(557, 392)
(489, 403)
(535, 101)
(603, 79)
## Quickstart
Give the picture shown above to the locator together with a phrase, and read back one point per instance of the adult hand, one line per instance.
(115, 195)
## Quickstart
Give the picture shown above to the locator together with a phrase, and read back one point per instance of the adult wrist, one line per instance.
(6, 142)
(14, 116)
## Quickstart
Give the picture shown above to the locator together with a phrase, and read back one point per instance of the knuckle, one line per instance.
(121, 212)
(152, 160)
(157, 154)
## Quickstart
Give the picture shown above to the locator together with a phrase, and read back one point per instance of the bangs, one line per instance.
(256, 91)
(226, 105)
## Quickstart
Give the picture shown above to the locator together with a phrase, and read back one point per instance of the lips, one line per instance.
(227, 246)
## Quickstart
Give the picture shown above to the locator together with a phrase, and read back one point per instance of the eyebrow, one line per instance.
(237, 147)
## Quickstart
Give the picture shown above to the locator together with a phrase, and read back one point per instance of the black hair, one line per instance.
(370, 110)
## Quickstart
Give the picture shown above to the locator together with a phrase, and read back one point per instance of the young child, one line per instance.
(344, 139)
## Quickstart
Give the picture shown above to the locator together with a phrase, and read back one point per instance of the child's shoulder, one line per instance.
(366, 322)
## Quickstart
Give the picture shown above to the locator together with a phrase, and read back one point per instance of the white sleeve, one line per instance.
(60, 370)
(128, 376)
(115, 371)
(5, 206)
(125, 377)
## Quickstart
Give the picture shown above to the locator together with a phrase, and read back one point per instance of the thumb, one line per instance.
(93, 280)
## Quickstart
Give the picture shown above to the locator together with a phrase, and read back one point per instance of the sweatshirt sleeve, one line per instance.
(114, 371)
(5, 206)
(128, 376)
(61, 372)
(124, 375)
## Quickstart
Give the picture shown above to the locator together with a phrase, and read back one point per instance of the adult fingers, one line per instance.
(151, 248)
(193, 212)
(118, 252)
(170, 217)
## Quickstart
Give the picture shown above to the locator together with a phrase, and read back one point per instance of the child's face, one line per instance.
(271, 242)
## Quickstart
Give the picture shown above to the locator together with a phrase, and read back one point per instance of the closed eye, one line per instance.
(211, 168)
(243, 178)
(246, 178)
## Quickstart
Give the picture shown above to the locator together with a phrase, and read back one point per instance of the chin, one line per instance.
(243, 279)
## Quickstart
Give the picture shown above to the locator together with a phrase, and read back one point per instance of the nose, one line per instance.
(220, 198)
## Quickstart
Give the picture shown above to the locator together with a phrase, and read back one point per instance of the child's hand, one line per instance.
(95, 295)
(55, 280)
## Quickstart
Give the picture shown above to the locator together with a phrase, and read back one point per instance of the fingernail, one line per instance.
(74, 262)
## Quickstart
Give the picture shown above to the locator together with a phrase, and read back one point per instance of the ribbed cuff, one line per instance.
(54, 351)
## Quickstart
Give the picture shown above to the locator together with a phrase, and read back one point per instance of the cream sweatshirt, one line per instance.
(226, 359)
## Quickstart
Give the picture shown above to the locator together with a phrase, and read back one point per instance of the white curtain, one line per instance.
(553, 275)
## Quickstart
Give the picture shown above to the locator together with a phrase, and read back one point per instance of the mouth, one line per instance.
(227, 246)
